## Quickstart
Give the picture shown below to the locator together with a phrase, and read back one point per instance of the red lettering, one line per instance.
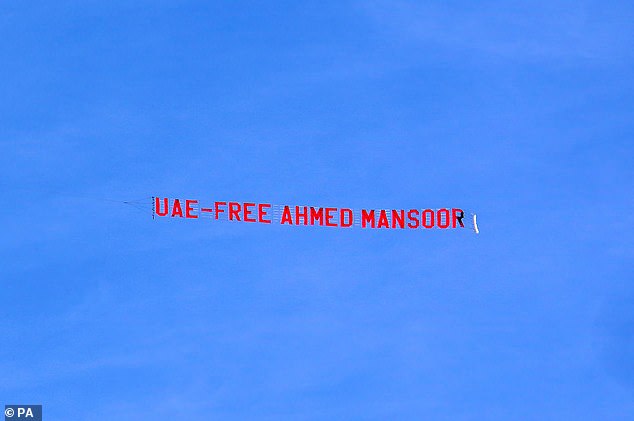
(234, 211)
(428, 223)
(299, 215)
(157, 206)
(330, 217)
(342, 218)
(217, 207)
(286, 216)
(383, 221)
(398, 218)
(176, 209)
(443, 218)
(262, 207)
(367, 217)
(189, 208)
(247, 212)
(316, 216)
(414, 222)
(456, 216)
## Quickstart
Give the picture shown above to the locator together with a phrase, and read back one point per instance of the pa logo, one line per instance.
(23, 412)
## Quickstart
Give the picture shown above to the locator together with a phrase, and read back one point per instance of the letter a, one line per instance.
(176, 209)
(286, 216)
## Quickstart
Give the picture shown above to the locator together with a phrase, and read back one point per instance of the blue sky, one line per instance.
(522, 112)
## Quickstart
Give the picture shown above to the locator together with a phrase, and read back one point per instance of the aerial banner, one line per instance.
(304, 215)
